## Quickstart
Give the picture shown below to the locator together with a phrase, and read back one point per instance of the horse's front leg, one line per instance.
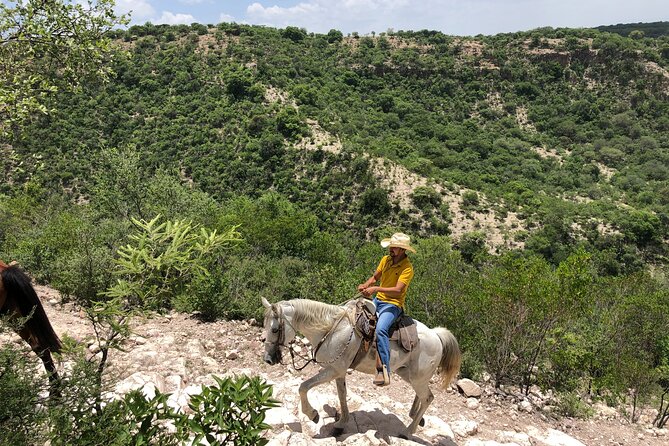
(343, 418)
(325, 375)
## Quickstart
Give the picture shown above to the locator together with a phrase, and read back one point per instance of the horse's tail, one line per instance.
(450, 355)
(20, 290)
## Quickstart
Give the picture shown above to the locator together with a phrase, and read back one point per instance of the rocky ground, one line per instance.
(177, 353)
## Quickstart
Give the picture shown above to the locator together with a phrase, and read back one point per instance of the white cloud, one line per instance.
(140, 10)
(457, 17)
(323, 15)
(223, 17)
(170, 18)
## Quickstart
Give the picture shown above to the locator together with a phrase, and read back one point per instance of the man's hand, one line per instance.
(367, 292)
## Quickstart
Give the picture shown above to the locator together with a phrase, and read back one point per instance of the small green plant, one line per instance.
(570, 404)
(232, 412)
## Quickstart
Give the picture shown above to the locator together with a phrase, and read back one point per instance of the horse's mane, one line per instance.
(315, 315)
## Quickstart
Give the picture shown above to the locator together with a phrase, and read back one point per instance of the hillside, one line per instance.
(548, 139)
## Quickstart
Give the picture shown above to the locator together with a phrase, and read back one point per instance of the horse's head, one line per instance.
(279, 331)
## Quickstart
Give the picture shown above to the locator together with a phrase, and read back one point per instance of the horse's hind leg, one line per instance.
(414, 407)
(343, 417)
(423, 399)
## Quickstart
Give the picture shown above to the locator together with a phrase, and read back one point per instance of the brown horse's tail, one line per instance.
(450, 355)
(22, 296)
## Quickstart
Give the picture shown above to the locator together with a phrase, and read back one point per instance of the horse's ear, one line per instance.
(265, 303)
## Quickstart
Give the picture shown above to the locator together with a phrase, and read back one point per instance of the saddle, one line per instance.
(404, 330)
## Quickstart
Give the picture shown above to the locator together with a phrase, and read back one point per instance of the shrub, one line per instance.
(571, 404)
(230, 412)
(20, 416)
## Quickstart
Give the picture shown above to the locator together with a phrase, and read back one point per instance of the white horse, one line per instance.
(331, 329)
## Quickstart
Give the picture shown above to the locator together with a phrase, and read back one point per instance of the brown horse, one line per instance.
(19, 299)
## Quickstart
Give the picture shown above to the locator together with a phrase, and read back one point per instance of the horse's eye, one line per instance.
(275, 330)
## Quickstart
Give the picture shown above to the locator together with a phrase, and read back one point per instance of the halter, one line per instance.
(278, 311)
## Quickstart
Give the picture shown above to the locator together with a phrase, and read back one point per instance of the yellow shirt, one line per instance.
(391, 274)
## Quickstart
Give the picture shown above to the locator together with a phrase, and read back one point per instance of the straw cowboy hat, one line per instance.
(398, 240)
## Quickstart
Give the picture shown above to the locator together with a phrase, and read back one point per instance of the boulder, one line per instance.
(469, 388)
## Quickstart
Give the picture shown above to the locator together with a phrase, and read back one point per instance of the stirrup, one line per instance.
(382, 377)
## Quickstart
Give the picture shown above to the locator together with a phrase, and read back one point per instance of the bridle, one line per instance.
(281, 331)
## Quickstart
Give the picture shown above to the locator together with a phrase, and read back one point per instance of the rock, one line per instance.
(147, 382)
(173, 383)
(279, 439)
(472, 403)
(436, 427)
(366, 439)
(232, 355)
(469, 388)
(604, 411)
(477, 442)
(280, 417)
(526, 406)
(519, 438)
(465, 428)
(552, 437)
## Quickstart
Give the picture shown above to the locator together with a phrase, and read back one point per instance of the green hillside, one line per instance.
(566, 129)
(653, 29)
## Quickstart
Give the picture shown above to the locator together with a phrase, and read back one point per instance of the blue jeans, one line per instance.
(386, 314)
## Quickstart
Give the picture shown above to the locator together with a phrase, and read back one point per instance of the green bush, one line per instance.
(232, 412)
(571, 404)
(21, 418)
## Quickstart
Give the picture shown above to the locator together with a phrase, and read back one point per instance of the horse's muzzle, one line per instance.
(273, 357)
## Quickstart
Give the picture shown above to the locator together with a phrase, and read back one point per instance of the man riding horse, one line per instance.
(394, 272)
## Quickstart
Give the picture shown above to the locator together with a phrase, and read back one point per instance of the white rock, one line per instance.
(477, 442)
(519, 438)
(279, 439)
(526, 406)
(438, 426)
(552, 437)
(280, 416)
(472, 403)
(366, 439)
(465, 428)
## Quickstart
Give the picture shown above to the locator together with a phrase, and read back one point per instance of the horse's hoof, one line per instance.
(337, 431)
(316, 418)
(421, 423)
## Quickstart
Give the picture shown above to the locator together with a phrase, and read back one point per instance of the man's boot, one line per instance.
(382, 377)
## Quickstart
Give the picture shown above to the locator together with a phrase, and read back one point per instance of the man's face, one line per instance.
(395, 252)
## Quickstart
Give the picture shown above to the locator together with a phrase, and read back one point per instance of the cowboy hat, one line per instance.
(398, 240)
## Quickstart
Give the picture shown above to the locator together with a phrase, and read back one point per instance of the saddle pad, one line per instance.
(405, 333)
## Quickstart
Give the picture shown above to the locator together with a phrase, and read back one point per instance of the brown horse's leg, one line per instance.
(49, 365)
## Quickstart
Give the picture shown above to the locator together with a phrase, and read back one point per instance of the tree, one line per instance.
(46, 46)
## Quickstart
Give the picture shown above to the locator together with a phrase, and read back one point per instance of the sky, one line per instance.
(453, 17)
